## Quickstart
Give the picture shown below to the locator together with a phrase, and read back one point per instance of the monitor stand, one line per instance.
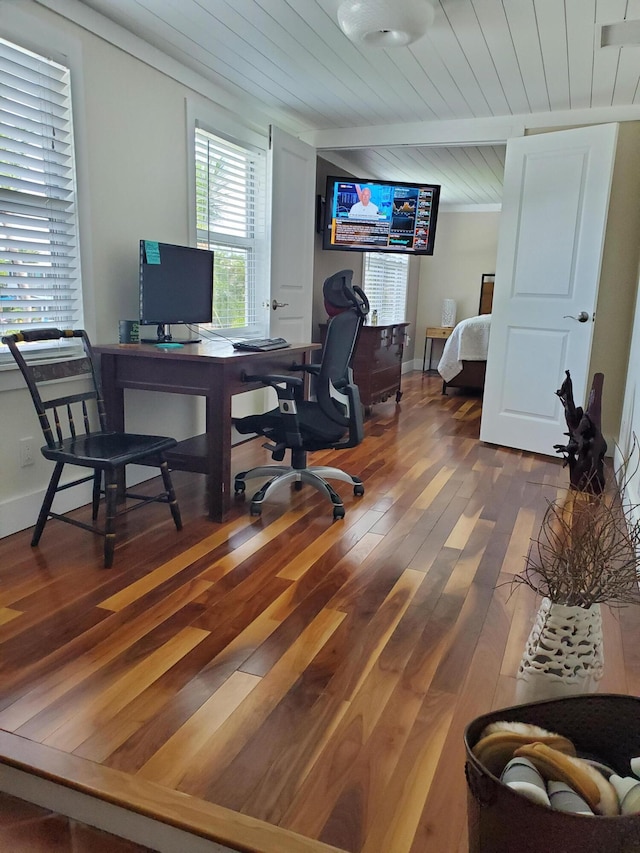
(163, 336)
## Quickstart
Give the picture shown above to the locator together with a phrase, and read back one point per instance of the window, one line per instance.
(230, 220)
(385, 283)
(39, 259)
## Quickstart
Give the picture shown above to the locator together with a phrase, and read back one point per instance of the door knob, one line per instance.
(275, 304)
(582, 317)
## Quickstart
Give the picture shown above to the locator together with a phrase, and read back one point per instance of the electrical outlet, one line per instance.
(26, 452)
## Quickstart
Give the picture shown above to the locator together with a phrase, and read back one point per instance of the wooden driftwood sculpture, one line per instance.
(584, 451)
(587, 550)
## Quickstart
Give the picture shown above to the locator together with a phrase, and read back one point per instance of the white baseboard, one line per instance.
(22, 512)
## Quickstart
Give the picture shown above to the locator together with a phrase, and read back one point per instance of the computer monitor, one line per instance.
(176, 287)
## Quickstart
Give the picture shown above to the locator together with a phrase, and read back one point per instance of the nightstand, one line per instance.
(437, 332)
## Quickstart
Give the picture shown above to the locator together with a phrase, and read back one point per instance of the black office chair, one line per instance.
(79, 436)
(334, 420)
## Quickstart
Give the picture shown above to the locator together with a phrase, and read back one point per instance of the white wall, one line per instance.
(630, 423)
(131, 141)
(466, 246)
(618, 280)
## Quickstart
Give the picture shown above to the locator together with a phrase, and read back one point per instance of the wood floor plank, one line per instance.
(153, 579)
(271, 796)
(108, 698)
(291, 683)
(323, 783)
(463, 529)
(477, 692)
(79, 663)
(226, 742)
(7, 614)
(469, 559)
(170, 763)
(523, 602)
(308, 556)
(395, 829)
(614, 673)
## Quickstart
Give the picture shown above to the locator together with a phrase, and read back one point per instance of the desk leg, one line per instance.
(113, 396)
(219, 454)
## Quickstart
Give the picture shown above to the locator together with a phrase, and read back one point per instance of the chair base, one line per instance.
(282, 475)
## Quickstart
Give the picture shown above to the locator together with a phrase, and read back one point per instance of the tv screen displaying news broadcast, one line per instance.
(380, 216)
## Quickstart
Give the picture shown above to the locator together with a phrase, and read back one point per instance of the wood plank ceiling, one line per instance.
(482, 60)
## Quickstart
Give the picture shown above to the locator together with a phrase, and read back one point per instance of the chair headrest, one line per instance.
(340, 294)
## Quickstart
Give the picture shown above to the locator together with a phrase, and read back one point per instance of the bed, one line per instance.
(464, 358)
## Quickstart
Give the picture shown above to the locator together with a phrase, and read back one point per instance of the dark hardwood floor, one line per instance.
(305, 682)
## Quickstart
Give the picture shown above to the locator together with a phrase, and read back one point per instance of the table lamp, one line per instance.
(448, 312)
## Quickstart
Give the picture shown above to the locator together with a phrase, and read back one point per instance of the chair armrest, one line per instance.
(274, 380)
(313, 369)
(286, 404)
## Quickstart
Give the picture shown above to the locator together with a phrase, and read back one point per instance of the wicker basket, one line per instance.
(503, 821)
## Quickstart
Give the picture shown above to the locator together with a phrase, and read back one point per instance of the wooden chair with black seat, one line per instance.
(334, 420)
(79, 435)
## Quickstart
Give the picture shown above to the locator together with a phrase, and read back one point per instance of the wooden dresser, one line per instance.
(377, 363)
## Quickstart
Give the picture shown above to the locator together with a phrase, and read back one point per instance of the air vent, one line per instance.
(622, 34)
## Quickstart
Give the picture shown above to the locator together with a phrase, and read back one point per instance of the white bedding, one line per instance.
(469, 341)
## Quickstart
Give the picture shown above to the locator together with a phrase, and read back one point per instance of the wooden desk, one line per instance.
(212, 370)
(439, 332)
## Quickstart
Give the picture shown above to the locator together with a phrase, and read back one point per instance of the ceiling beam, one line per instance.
(478, 131)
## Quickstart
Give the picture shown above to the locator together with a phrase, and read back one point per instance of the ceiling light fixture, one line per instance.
(385, 23)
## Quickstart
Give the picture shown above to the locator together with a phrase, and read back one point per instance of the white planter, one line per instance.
(563, 655)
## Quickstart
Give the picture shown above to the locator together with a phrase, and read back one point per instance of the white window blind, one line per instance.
(230, 220)
(39, 261)
(385, 283)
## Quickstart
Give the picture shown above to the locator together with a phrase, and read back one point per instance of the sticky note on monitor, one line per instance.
(152, 251)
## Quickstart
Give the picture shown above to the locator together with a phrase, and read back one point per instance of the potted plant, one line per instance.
(587, 553)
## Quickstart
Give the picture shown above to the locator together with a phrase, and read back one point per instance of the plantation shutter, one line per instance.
(385, 283)
(230, 220)
(39, 262)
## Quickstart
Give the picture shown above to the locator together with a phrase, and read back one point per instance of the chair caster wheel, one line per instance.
(358, 489)
(298, 485)
(255, 509)
(338, 512)
(239, 487)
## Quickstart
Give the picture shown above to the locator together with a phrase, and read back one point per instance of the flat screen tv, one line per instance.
(380, 216)
(176, 286)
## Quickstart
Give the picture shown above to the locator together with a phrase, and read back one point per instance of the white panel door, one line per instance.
(293, 192)
(554, 214)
